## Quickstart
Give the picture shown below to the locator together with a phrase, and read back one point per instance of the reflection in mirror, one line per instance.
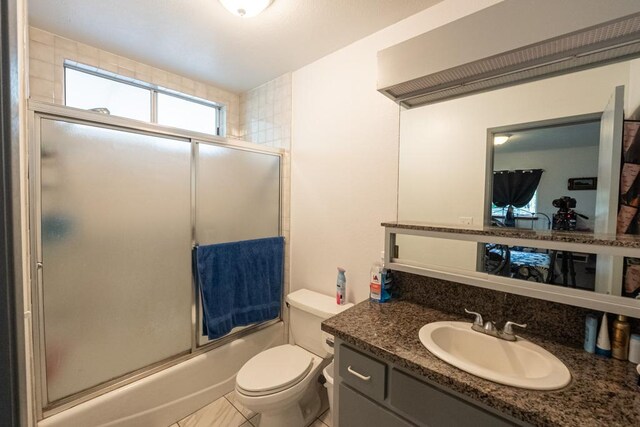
(545, 174)
(446, 167)
(562, 268)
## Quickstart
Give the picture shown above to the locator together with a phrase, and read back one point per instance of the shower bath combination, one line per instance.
(117, 208)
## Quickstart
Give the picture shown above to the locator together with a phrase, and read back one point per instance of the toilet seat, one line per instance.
(274, 370)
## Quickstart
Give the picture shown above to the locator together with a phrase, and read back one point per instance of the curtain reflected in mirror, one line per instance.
(533, 172)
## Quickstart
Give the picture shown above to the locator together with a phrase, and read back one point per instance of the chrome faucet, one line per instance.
(489, 327)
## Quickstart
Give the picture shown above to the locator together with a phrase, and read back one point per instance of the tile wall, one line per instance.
(48, 51)
(265, 113)
(265, 119)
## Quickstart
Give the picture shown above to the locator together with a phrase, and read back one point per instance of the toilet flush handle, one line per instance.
(358, 374)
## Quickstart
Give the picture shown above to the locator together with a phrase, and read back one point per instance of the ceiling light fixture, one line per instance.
(246, 8)
(500, 139)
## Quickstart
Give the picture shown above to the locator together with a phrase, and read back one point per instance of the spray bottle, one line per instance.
(341, 287)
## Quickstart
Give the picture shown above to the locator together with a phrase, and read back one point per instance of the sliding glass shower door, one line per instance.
(238, 198)
(115, 220)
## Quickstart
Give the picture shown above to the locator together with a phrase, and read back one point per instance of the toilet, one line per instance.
(282, 383)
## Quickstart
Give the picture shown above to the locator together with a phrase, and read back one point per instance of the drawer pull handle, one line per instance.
(358, 374)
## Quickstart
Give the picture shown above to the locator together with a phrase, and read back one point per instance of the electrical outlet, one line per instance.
(466, 220)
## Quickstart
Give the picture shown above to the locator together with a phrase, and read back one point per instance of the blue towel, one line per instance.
(240, 283)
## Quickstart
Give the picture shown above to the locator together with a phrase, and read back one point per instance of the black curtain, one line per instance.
(515, 188)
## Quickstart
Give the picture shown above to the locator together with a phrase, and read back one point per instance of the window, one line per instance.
(91, 88)
(180, 113)
(89, 91)
(530, 209)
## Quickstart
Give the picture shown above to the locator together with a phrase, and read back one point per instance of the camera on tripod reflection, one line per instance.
(566, 218)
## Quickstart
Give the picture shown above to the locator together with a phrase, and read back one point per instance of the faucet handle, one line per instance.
(478, 320)
(508, 330)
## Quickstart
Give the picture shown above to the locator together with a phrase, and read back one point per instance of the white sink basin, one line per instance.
(518, 363)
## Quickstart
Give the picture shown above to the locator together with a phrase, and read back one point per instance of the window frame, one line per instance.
(521, 211)
(153, 89)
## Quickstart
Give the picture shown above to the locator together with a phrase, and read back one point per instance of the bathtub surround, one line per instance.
(173, 393)
(48, 51)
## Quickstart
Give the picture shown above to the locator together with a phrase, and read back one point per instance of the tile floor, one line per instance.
(227, 412)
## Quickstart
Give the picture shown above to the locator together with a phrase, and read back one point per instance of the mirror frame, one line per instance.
(570, 296)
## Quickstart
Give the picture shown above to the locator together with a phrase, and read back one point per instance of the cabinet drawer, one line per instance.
(363, 373)
(428, 405)
(358, 411)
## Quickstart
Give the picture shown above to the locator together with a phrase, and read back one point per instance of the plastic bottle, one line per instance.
(603, 344)
(380, 283)
(341, 286)
(590, 333)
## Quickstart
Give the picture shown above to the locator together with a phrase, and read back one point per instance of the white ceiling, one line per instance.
(202, 40)
(552, 138)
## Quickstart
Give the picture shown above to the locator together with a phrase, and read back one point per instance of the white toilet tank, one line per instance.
(307, 311)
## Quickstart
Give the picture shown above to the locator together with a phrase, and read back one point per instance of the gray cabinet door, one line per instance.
(358, 411)
(430, 406)
(364, 373)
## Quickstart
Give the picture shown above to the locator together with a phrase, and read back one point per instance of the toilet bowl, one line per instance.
(282, 383)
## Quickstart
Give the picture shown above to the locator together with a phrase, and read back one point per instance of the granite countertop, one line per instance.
(603, 392)
(577, 237)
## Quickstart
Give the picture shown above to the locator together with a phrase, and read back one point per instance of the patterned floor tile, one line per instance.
(326, 418)
(220, 413)
(231, 397)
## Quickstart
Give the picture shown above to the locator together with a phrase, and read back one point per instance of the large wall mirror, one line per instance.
(531, 156)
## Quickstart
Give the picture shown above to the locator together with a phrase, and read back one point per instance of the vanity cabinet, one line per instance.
(372, 392)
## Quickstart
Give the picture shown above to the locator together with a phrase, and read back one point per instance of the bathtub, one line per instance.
(167, 396)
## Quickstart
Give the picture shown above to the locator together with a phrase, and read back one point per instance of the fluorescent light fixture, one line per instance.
(246, 8)
(500, 139)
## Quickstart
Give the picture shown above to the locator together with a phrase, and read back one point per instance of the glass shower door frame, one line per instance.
(39, 111)
(201, 341)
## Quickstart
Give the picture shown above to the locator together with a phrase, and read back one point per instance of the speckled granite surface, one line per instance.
(558, 322)
(625, 241)
(603, 392)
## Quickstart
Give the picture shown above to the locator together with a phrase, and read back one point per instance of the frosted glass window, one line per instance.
(87, 91)
(181, 113)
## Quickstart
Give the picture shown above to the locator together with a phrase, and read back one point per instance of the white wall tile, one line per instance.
(47, 81)
(40, 69)
(88, 54)
(41, 51)
(41, 88)
(38, 35)
(65, 44)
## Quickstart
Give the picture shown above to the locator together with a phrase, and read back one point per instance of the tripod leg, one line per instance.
(552, 267)
(564, 269)
(572, 269)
